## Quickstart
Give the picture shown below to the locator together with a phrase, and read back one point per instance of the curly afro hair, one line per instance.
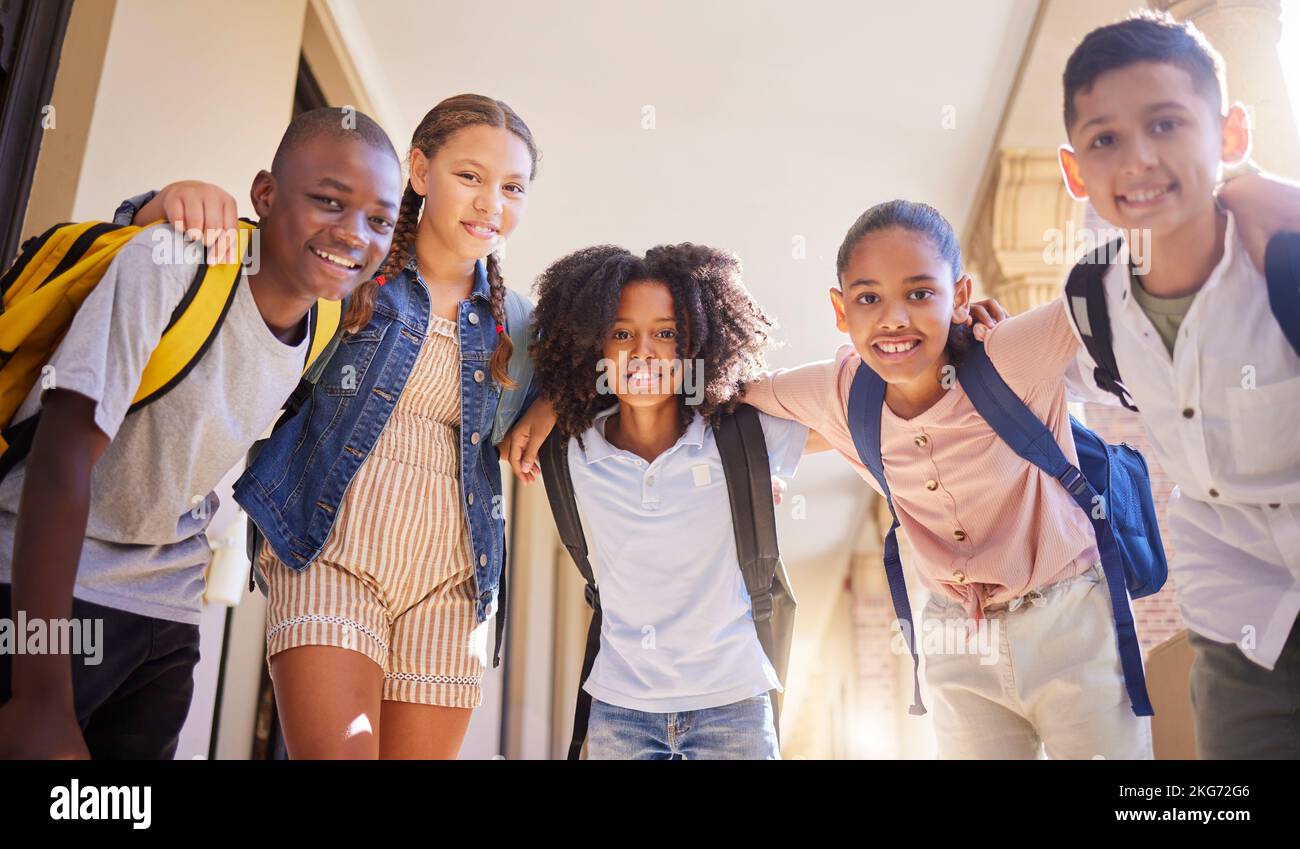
(718, 323)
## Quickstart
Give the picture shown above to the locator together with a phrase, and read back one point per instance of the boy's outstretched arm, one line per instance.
(39, 721)
(1263, 206)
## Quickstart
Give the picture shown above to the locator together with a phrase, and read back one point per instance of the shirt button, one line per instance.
(932, 485)
(473, 318)
(959, 576)
(470, 498)
(478, 375)
(473, 438)
(921, 441)
(1214, 493)
(482, 560)
(959, 535)
(650, 481)
(1188, 413)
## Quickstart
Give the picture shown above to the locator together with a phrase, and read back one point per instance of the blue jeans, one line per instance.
(745, 730)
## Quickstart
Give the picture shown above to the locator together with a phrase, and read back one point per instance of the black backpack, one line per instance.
(1085, 294)
(749, 486)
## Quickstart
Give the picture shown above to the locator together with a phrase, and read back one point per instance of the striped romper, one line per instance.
(395, 580)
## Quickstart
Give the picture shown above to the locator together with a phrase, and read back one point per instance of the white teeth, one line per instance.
(337, 260)
(482, 231)
(1143, 197)
(897, 347)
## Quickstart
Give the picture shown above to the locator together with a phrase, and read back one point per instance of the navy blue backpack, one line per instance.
(1111, 485)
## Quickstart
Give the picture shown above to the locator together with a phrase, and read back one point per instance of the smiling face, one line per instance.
(897, 302)
(475, 188)
(327, 215)
(640, 350)
(1146, 146)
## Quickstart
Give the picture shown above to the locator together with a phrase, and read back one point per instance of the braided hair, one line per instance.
(439, 125)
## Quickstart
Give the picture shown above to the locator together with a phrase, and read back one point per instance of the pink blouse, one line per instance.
(985, 525)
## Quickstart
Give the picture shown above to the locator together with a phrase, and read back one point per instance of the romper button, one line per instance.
(932, 485)
(959, 576)
(1188, 413)
(959, 535)
(473, 438)
(921, 440)
(1214, 493)
(470, 497)
(482, 560)
(473, 318)
(478, 375)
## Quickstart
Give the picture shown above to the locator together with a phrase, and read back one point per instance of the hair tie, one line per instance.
(381, 280)
(500, 329)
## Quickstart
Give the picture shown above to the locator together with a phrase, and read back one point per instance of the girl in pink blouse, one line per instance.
(1018, 635)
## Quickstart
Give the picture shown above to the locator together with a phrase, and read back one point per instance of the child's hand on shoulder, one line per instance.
(1262, 207)
(984, 315)
(521, 443)
(202, 211)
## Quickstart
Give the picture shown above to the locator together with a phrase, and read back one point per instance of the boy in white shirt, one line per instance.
(1200, 354)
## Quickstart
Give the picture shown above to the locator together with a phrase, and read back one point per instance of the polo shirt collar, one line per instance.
(599, 448)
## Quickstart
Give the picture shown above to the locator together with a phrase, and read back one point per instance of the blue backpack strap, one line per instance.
(1282, 271)
(519, 313)
(1019, 428)
(866, 401)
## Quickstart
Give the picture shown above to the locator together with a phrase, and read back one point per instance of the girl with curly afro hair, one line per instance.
(639, 357)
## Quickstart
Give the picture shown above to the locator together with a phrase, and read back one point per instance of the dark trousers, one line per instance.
(1244, 711)
(132, 704)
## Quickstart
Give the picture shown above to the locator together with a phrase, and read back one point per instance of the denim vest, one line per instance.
(294, 487)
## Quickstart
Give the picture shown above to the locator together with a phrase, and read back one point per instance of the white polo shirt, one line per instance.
(1223, 418)
(677, 633)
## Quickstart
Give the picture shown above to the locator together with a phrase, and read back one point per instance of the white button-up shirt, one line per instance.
(1223, 418)
(677, 632)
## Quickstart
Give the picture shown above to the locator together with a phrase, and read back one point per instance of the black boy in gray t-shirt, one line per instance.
(104, 522)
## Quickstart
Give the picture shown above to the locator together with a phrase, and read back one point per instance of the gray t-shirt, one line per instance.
(145, 549)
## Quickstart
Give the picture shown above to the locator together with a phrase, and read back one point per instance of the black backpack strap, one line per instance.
(743, 449)
(554, 459)
(1282, 271)
(1085, 294)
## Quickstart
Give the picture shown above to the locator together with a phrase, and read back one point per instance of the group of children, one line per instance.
(378, 492)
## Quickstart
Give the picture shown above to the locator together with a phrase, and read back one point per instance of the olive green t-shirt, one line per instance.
(1165, 314)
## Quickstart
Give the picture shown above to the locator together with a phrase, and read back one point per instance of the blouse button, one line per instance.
(921, 441)
(1274, 506)
(932, 485)
(959, 535)
(470, 498)
(1188, 413)
(473, 318)
(478, 375)
(1214, 493)
(473, 438)
(482, 560)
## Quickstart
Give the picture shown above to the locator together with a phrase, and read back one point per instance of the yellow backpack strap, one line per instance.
(194, 325)
(326, 317)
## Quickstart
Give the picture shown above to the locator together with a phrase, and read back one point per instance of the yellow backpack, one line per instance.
(51, 278)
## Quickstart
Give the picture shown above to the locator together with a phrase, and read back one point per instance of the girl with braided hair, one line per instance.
(379, 493)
